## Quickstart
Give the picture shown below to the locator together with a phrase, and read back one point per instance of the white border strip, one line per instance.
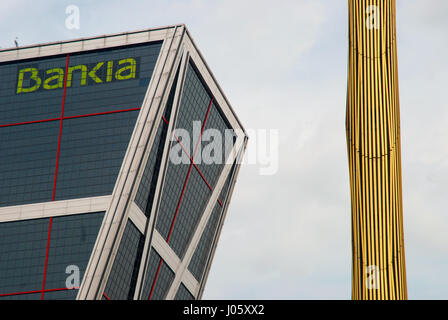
(103, 42)
(137, 217)
(54, 208)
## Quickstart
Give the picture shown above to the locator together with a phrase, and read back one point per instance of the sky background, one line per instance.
(283, 65)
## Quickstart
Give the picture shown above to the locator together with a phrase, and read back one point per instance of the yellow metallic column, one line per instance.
(373, 141)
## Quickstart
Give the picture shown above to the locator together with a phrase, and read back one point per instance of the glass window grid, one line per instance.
(183, 293)
(145, 193)
(92, 151)
(123, 276)
(195, 199)
(27, 163)
(163, 281)
(46, 104)
(23, 246)
(61, 295)
(27, 296)
(42, 104)
(199, 259)
(193, 107)
(202, 253)
(198, 117)
(71, 243)
(215, 121)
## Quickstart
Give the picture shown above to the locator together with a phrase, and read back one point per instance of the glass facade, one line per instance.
(23, 246)
(145, 193)
(158, 278)
(65, 126)
(189, 186)
(123, 276)
(216, 144)
(92, 150)
(66, 121)
(193, 205)
(27, 163)
(183, 293)
(19, 106)
(26, 255)
(201, 255)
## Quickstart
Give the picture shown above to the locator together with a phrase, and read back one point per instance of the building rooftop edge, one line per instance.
(92, 38)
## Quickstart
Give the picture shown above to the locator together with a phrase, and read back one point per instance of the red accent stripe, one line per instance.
(28, 122)
(46, 259)
(194, 164)
(155, 279)
(100, 113)
(189, 171)
(178, 203)
(36, 291)
(55, 175)
(182, 193)
(105, 296)
(69, 117)
(60, 129)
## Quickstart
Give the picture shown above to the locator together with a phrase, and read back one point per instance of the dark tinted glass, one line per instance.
(71, 243)
(18, 106)
(190, 211)
(193, 107)
(183, 293)
(145, 192)
(27, 163)
(23, 247)
(200, 257)
(202, 253)
(174, 181)
(95, 82)
(123, 276)
(92, 151)
(27, 296)
(158, 278)
(186, 191)
(216, 143)
(103, 90)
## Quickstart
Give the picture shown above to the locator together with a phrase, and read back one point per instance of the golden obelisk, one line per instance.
(374, 152)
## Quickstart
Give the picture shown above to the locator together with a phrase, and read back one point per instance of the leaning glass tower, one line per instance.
(92, 204)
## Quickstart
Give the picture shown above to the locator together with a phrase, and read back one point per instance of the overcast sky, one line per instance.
(283, 65)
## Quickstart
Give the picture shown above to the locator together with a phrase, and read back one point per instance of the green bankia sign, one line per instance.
(32, 78)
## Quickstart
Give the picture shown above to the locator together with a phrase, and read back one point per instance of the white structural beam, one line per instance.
(54, 208)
